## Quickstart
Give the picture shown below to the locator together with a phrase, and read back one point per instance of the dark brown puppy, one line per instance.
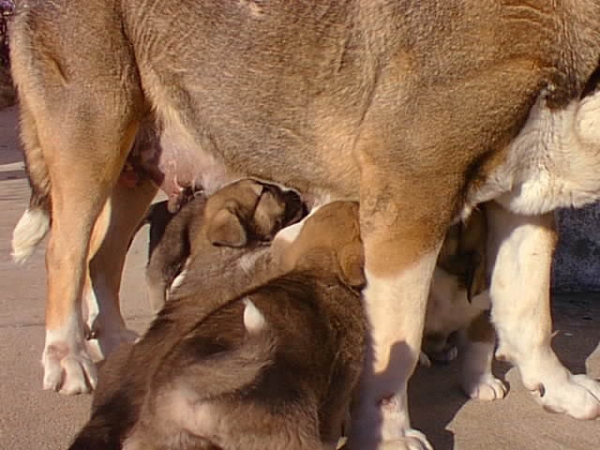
(273, 368)
(262, 209)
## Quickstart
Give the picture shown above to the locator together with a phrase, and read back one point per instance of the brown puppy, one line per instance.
(458, 304)
(273, 368)
(262, 209)
(457, 321)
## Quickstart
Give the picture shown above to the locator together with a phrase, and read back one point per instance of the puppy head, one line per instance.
(328, 240)
(463, 253)
(249, 210)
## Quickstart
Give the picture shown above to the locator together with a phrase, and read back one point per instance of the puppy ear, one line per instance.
(226, 229)
(352, 261)
(268, 215)
(476, 276)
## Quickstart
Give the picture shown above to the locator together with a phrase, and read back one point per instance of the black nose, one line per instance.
(294, 207)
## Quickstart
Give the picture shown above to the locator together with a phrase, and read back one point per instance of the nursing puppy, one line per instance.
(262, 209)
(457, 319)
(272, 368)
(457, 322)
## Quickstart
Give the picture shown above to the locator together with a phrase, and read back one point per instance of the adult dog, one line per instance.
(421, 110)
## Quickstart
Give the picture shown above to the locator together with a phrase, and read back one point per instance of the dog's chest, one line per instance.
(553, 162)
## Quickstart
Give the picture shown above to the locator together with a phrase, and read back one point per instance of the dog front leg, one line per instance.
(520, 291)
(399, 264)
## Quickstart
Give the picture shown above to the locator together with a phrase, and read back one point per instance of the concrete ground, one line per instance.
(33, 419)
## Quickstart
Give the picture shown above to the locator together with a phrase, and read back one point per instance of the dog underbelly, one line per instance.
(177, 159)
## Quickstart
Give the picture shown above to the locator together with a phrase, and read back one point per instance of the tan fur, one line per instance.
(417, 102)
(280, 376)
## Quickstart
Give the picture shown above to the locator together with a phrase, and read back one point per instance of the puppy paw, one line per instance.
(485, 387)
(575, 395)
(68, 369)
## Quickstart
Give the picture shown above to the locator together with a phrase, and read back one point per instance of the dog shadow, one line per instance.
(435, 398)
(434, 393)
(576, 329)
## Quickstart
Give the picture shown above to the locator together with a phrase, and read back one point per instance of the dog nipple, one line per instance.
(254, 321)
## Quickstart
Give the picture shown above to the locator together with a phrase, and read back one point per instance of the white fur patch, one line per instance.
(28, 233)
(254, 321)
(396, 310)
(554, 161)
(68, 368)
(179, 279)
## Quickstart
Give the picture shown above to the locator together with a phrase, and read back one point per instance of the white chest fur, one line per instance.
(554, 161)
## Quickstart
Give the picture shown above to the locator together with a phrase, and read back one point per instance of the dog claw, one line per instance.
(576, 395)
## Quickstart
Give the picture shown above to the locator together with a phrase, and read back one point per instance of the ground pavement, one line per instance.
(33, 419)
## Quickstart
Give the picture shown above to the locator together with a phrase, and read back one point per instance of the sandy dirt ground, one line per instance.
(33, 419)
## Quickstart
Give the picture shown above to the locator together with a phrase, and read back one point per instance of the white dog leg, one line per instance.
(64, 352)
(521, 312)
(396, 311)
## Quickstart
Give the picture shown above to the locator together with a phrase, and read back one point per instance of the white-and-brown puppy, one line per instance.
(458, 320)
(274, 367)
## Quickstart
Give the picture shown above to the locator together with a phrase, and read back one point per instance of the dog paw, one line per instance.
(575, 395)
(486, 388)
(413, 440)
(103, 342)
(68, 371)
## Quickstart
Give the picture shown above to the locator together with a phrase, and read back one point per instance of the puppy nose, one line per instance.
(294, 208)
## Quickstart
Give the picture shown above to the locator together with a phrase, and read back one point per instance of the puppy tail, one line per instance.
(29, 232)
(232, 371)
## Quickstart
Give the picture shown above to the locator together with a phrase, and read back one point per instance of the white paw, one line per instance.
(486, 388)
(413, 440)
(68, 371)
(575, 395)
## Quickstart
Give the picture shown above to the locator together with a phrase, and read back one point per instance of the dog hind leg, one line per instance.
(520, 291)
(110, 241)
(84, 108)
